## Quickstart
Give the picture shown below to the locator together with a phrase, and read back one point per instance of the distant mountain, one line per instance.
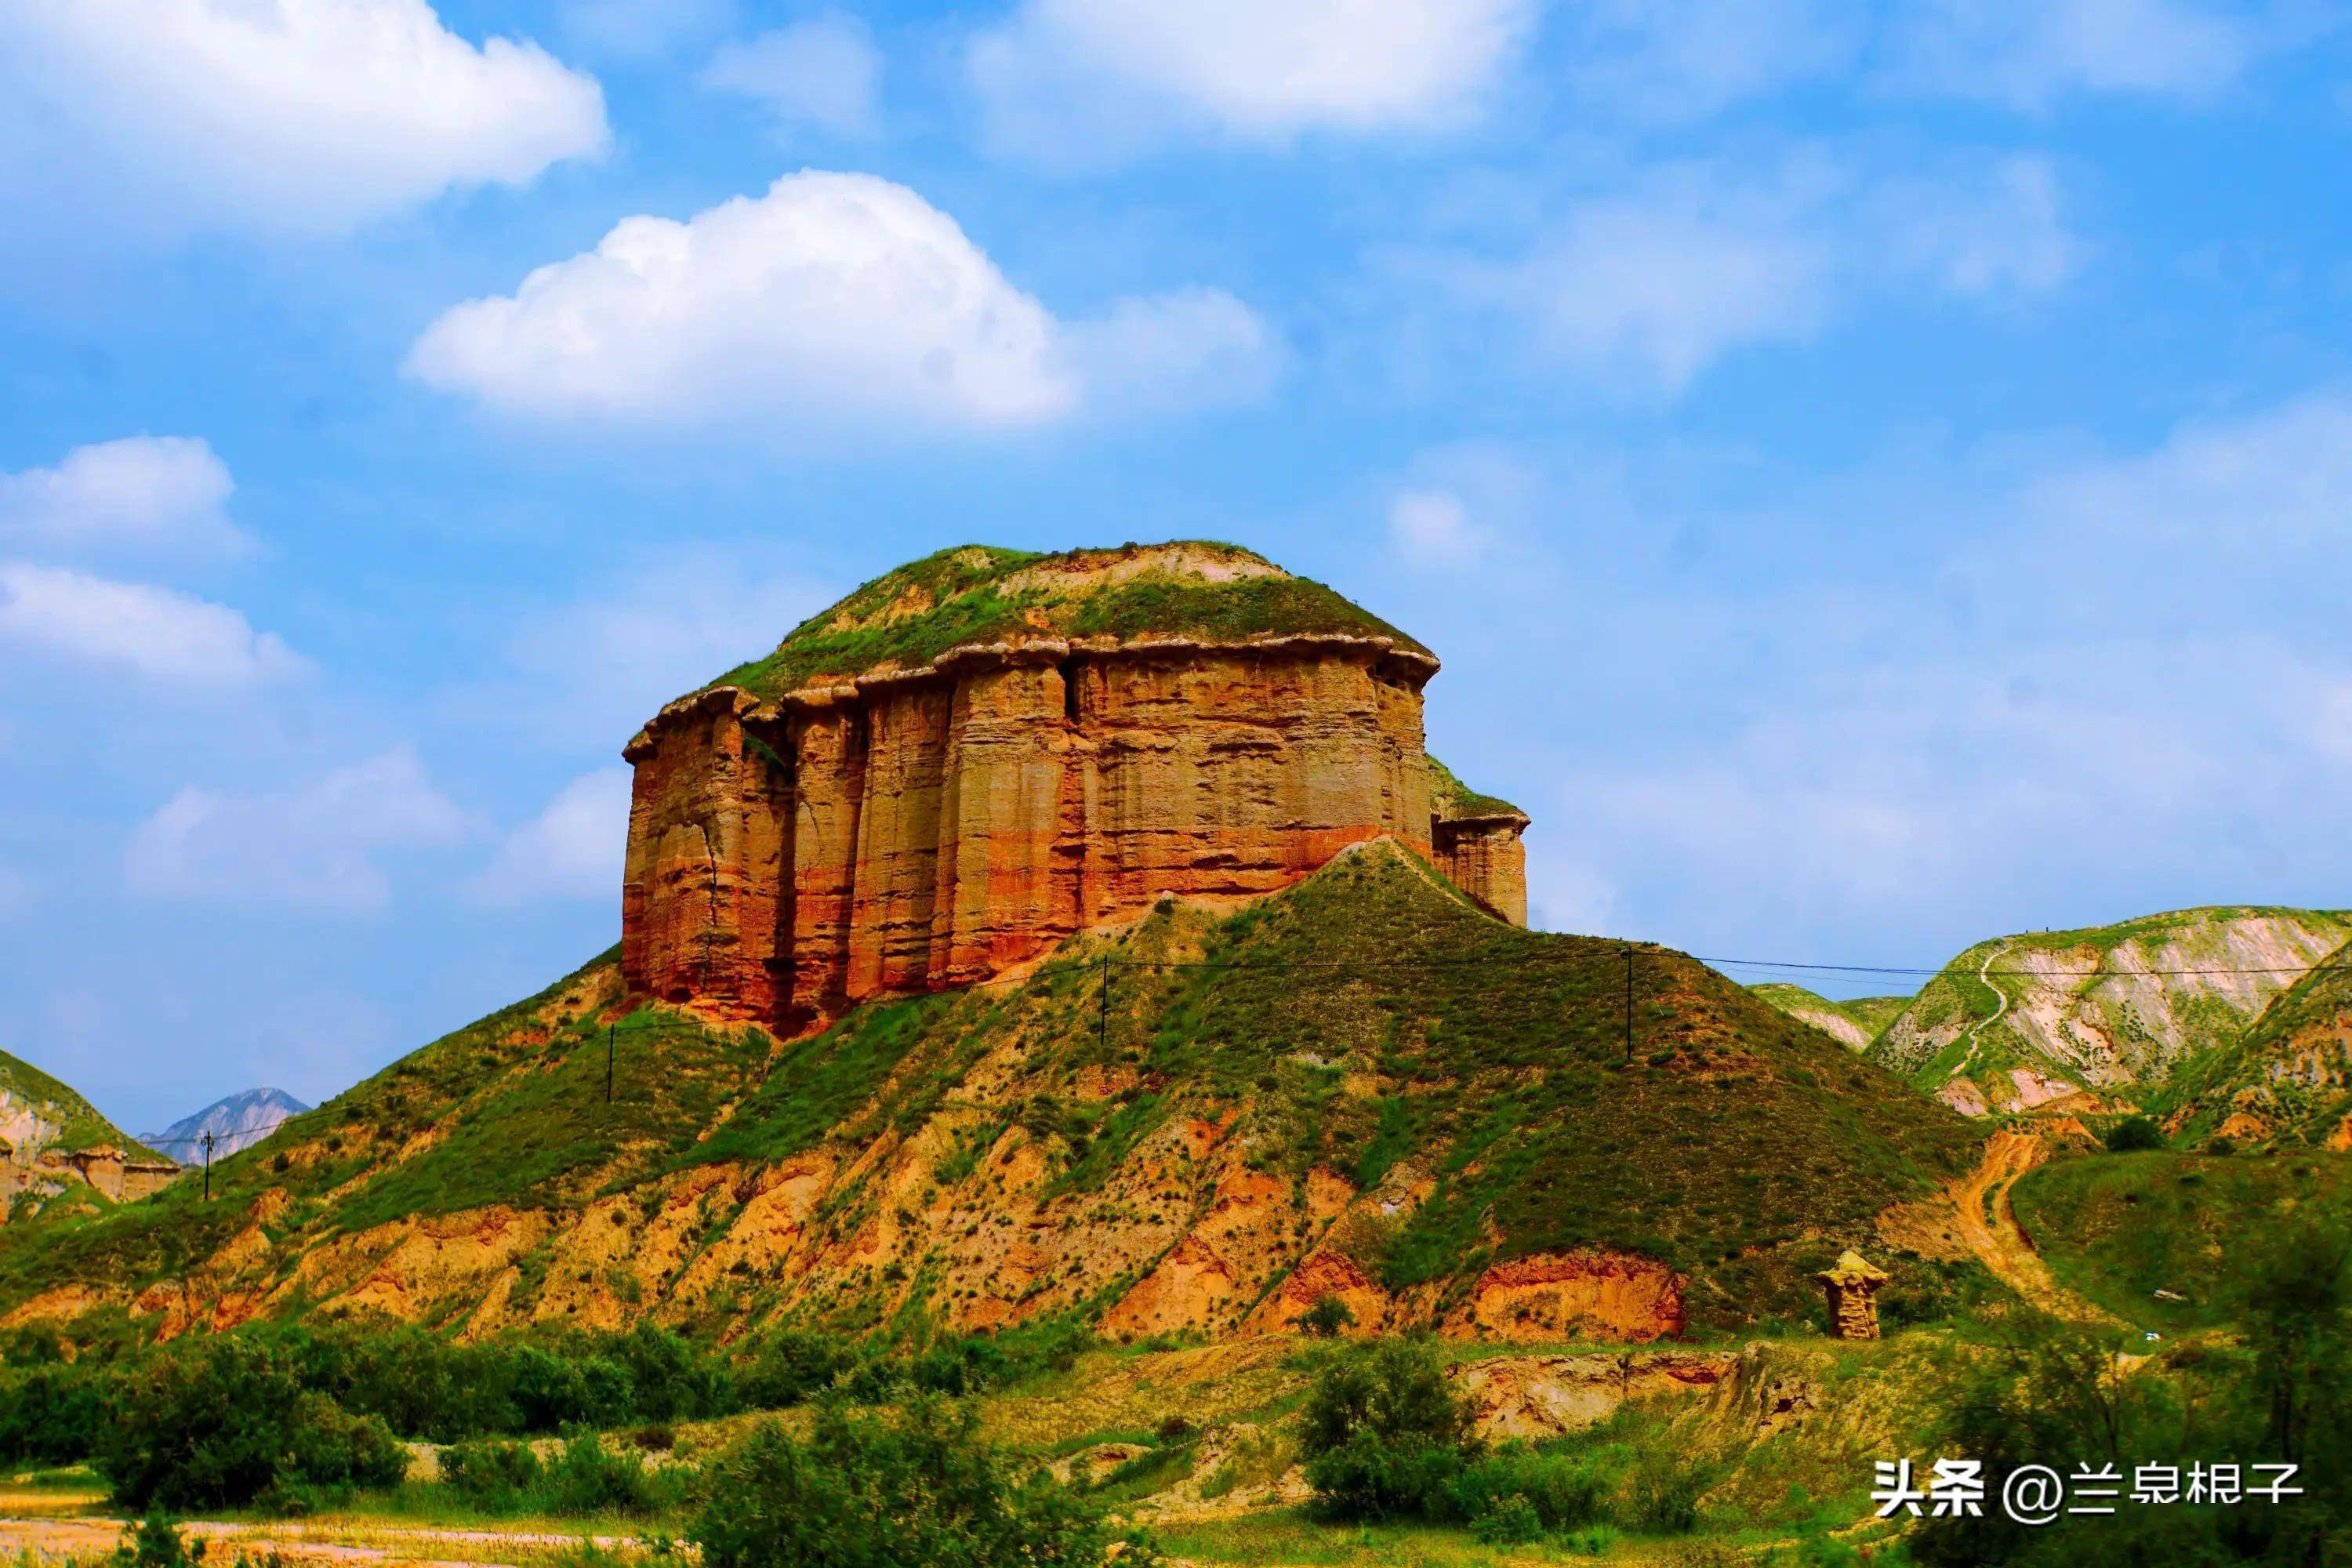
(2104, 1018)
(1854, 1023)
(235, 1121)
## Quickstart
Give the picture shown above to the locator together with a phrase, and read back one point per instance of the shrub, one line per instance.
(1327, 1318)
(495, 1473)
(2134, 1132)
(155, 1543)
(1513, 1522)
(227, 1422)
(1385, 1435)
(1559, 1489)
(793, 1366)
(586, 1477)
(865, 1492)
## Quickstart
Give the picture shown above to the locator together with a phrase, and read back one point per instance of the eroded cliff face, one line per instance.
(1483, 858)
(926, 829)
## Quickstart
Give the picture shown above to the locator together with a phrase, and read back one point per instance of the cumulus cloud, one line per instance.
(136, 628)
(312, 847)
(1062, 76)
(833, 299)
(147, 492)
(570, 850)
(281, 116)
(1641, 289)
(2028, 56)
(822, 73)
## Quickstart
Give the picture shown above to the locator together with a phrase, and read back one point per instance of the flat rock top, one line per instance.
(980, 595)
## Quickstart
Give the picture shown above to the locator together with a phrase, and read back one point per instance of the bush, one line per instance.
(792, 1367)
(1512, 1523)
(2134, 1132)
(155, 1543)
(1560, 1491)
(865, 1492)
(586, 1477)
(1327, 1318)
(496, 1475)
(229, 1421)
(1385, 1435)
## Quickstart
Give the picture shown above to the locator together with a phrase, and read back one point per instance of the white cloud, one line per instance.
(1062, 73)
(822, 73)
(164, 492)
(139, 629)
(1642, 288)
(1433, 528)
(1194, 348)
(301, 116)
(2029, 54)
(312, 847)
(570, 850)
(1650, 61)
(831, 299)
(2279, 474)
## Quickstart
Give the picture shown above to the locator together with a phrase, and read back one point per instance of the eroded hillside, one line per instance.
(1854, 1023)
(2288, 1078)
(56, 1148)
(1203, 1120)
(2101, 1019)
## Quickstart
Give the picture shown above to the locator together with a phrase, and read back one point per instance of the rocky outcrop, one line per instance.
(927, 825)
(1483, 858)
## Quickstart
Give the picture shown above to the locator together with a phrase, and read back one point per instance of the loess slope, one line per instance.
(2102, 1018)
(1202, 1121)
(1854, 1024)
(2288, 1078)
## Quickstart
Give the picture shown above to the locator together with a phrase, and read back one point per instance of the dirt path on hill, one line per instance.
(88, 1539)
(1976, 1036)
(1989, 1226)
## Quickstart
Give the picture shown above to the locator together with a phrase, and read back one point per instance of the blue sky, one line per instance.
(1878, 476)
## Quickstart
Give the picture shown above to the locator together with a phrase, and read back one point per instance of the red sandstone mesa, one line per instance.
(931, 818)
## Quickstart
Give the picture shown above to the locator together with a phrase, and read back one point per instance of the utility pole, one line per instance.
(608, 1064)
(208, 1164)
(1629, 1004)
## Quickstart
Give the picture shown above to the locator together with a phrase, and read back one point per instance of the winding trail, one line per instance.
(1989, 1226)
(1975, 1037)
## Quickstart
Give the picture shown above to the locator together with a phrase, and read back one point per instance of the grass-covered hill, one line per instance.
(1362, 1086)
(38, 1111)
(2287, 1077)
(2119, 1228)
(1852, 1023)
(2105, 1018)
(983, 594)
(42, 1119)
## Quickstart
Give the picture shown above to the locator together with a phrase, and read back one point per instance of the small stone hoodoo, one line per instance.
(1853, 1285)
(984, 752)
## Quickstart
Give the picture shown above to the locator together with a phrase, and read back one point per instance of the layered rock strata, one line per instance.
(786, 859)
(914, 827)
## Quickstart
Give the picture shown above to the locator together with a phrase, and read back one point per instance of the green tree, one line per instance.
(868, 1492)
(226, 1422)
